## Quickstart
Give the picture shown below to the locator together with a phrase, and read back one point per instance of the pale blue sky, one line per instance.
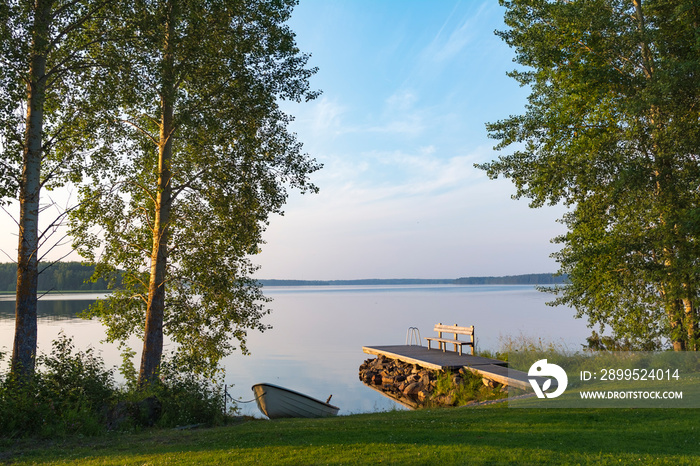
(407, 87)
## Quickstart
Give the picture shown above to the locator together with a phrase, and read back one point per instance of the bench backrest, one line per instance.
(454, 329)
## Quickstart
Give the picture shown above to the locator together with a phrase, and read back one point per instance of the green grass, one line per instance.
(490, 435)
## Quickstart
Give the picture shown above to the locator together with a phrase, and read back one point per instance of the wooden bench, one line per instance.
(456, 330)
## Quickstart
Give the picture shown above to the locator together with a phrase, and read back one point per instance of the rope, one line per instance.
(249, 401)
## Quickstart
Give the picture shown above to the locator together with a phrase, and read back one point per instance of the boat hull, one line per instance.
(278, 402)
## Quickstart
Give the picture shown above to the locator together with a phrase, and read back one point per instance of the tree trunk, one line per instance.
(24, 348)
(675, 323)
(690, 324)
(682, 314)
(155, 311)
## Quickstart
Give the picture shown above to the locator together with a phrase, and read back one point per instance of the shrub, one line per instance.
(72, 392)
(470, 388)
(188, 398)
(179, 398)
(69, 394)
(22, 409)
(76, 379)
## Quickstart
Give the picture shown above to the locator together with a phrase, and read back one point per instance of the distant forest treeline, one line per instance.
(528, 279)
(61, 276)
(74, 276)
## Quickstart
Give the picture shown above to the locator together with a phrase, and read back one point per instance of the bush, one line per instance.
(69, 394)
(188, 398)
(462, 388)
(72, 392)
(183, 397)
(77, 379)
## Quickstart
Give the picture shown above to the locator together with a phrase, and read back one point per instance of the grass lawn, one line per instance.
(487, 435)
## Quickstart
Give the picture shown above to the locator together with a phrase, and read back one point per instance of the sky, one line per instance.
(408, 86)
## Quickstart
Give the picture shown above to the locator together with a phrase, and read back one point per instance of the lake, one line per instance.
(315, 345)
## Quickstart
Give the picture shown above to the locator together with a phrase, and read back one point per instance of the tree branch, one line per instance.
(75, 24)
(143, 131)
(188, 184)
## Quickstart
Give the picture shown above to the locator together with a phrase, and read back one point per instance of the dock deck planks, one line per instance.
(502, 374)
(430, 359)
(436, 359)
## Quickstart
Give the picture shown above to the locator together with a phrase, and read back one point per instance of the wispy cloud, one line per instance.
(401, 115)
(398, 132)
(401, 100)
(326, 115)
(377, 176)
(452, 39)
(439, 212)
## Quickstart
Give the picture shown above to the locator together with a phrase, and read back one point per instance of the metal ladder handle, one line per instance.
(413, 334)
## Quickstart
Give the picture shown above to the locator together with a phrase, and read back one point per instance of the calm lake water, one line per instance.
(315, 345)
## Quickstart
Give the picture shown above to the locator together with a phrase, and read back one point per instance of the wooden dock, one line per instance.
(435, 359)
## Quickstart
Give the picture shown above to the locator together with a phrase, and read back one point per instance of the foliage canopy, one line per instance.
(612, 131)
(196, 158)
(45, 129)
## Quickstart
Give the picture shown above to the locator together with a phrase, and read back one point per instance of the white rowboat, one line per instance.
(277, 402)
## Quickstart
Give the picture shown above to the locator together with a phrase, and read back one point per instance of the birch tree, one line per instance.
(200, 156)
(612, 130)
(44, 129)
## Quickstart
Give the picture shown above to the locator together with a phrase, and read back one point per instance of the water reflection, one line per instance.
(55, 308)
(404, 401)
(315, 345)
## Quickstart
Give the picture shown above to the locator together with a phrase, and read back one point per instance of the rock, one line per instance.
(412, 389)
(443, 400)
(407, 380)
(489, 383)
(388, 380)
(118, 415)
(145, 412)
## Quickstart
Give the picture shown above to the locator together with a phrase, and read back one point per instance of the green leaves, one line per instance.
(611, 130)
(222, 67)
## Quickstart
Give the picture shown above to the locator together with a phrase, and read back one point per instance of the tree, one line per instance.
(612, 131)
(199, 157)
(43, 129)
